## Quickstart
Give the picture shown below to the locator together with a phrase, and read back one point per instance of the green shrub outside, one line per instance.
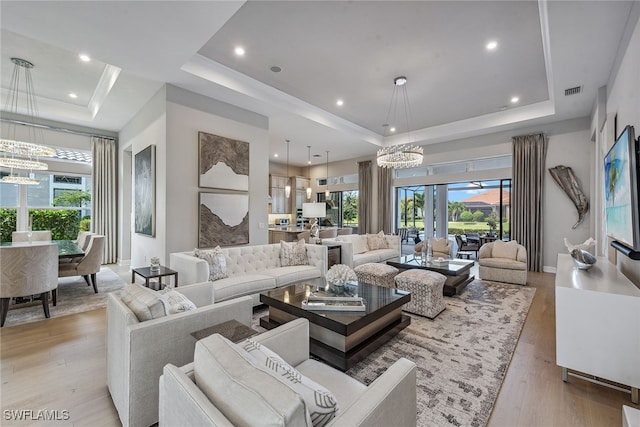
(466, 216)
(64, 224)
(7, 224)
(478, 216)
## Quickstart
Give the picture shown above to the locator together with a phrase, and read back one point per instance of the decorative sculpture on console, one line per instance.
(563, 175)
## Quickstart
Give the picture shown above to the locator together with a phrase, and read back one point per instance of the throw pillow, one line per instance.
(217, 262)
(145, 303)
(175, 302)
(320, 402)
(360, 243)
(377, 241)
(439, 245)
(507, 250)
(293, 253)
(247, 394)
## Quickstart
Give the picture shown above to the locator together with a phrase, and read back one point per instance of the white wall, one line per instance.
(146, 128)
(171, 120)
(183, 125)
(573, 149)
(623, 100)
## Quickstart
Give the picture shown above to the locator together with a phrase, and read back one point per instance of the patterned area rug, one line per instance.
(74, 296)
(462, 355)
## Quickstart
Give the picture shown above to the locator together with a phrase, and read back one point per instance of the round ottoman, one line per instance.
(426, 291)
(376, 274)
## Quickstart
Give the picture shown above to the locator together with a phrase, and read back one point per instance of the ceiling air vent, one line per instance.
(573, 91)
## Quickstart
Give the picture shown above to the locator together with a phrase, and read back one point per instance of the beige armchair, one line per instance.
(390, 400)
(503, 262)
(440, 247)
(36, 236)
(89, 265)
(27, 270)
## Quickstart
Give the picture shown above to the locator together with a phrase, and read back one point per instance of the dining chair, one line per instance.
(23, 236)
(345, 231)
(25, 271)
(89, 265)
(84, 237)
(305, 235)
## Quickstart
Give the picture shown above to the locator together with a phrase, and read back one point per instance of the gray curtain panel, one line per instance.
(384, 199)
(529, 154)
(105, 195)
(365, 197)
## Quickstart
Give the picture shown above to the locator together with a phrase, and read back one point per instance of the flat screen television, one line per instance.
(621, 191)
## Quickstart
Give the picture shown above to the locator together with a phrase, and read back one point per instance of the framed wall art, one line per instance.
(145, 191)
(223, 219)
(222, 162)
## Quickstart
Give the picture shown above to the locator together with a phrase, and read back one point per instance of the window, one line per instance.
(342, 208)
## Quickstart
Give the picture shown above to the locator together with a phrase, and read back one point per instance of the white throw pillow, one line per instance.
(320, 402)
(293, 253)
(244, 391)
(145, 303)
(505, 250)
(216, 260)
(175, 302)
(377, 241)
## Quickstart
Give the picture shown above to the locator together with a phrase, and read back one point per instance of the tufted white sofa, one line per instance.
(355, 249)
(251, 270)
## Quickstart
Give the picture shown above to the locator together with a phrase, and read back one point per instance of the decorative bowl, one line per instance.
(582, 259)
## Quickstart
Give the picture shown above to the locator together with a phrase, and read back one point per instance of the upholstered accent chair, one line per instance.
(328, 233)
(138, 350)
(223, 387)
(36, 236)
(503, 262)
(87, 266)
(28, 270)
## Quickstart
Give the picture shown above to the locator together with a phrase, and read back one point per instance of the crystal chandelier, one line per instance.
(399, 156)
(18, 154)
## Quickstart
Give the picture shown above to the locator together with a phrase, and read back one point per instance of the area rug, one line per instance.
(74, 296)
(462, 355)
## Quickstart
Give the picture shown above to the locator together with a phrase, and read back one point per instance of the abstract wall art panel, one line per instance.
(145, 191)
(223, 220)
(223, 162)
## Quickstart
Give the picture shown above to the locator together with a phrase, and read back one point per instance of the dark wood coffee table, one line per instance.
(456, 270)
(341, 338)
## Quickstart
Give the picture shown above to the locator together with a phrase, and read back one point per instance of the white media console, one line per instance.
(598, 324)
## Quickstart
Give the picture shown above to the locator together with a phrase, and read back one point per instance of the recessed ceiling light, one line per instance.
(514, 99)
(392, 129)
(84, 57)
(339, 102)
(239, 50)
(492, 45)
(275, 155)
(73, 95)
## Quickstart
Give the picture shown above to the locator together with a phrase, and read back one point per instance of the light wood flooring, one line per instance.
(59, 364)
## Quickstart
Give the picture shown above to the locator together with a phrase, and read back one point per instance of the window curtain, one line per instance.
(529, 154)
(384, 199)
(365, 197)
(104, 199)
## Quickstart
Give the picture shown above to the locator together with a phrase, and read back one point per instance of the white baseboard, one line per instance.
(549, 269)
(124, 262)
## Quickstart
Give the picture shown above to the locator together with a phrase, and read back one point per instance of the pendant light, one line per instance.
(309, 191)
(287, 188)
(327, 193)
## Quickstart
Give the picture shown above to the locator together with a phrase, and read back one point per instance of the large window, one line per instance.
(342, 208)
(481, 207)
(60, 203)
(410, 206)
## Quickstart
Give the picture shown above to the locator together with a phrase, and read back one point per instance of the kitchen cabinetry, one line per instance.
(279, 202)
(299, 193)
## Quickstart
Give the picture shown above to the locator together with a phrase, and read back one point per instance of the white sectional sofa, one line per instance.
(250, 270)
(356, 249)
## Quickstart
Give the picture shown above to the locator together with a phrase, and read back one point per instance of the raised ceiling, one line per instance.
(327, 50)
